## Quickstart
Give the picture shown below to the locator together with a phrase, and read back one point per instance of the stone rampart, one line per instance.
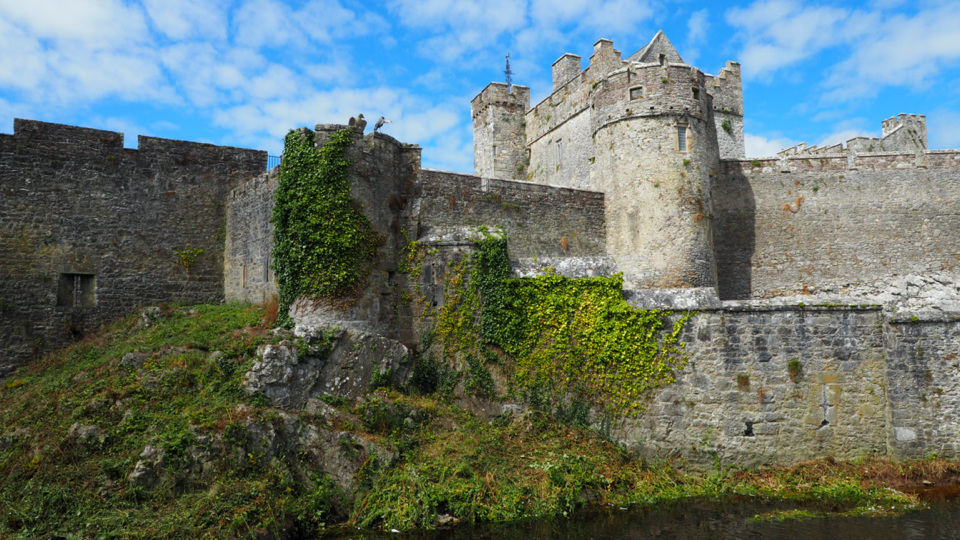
(821, 224)
(91, 230)
(867, 384)
(540, 220)
(923, 384)
(248, 250)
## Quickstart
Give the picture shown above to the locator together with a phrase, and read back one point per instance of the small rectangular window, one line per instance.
(559, 151)
(494, 150)
(682, 138)
(663, 60)
(696, 94)
(77, 290)
(636, 93)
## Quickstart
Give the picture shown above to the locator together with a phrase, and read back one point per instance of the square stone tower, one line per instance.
(499, 141)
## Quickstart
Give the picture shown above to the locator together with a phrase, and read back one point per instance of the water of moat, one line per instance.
(939, 518)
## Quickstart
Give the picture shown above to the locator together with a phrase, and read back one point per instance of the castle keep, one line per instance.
(843, 258)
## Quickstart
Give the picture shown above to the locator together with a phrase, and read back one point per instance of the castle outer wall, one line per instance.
(870, 384)
(825, 223)
(90, 230)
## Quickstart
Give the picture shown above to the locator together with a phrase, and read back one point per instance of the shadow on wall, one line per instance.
(734, 236)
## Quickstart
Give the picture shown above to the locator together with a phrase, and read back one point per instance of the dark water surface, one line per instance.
(696, 520)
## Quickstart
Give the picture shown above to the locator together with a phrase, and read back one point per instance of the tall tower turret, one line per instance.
(656, 152)
(499, 140)
(727, 92)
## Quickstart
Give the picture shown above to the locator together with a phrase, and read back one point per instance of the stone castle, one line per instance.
(843, 258)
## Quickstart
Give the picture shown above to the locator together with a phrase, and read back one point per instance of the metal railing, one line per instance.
(273, 161)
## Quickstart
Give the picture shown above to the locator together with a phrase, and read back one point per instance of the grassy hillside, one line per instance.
(82, 432)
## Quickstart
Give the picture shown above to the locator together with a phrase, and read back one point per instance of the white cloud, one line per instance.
(778, 33)
(491, 17)
(264, 123)
(186, 19)
(697, 26)
(879, 48)
(900, 51)
(92, 23)
(58, 53)
(270, 23)
(461, 28)
(760, 146)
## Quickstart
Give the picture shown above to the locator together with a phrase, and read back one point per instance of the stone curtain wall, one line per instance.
(767, 418)
(249, 245)
(537, 218)
(822, 223)
(75, 201)
(923, 374)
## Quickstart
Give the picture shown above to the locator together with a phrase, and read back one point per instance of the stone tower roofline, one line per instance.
(659, 45)
(498, 93)
(565, 57)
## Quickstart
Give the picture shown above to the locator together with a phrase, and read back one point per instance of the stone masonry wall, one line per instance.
(923, 375)
(249, 244)
(76, 202)
(821, 224)
(499, 146)
(537, 218)
(735, 397)
(870, 383)
(566, 156)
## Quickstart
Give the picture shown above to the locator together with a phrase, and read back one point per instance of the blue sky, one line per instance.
(244, 72)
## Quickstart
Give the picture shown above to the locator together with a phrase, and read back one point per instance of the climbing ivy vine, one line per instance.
(323, 245)
(573, 340)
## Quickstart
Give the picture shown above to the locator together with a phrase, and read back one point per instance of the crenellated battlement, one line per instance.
(902, 133)
(81, 148)
(839, 162)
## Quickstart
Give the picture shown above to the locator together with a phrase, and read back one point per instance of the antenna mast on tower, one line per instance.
(509, 73)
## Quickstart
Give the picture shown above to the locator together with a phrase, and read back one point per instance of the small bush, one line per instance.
(433, 377)
(794, 367)
(743, 381)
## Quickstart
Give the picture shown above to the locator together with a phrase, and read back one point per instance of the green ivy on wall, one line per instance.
(575, 339)
(323, 245)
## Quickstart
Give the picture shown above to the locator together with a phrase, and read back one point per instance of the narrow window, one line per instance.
(77, 290)
(682, 138)
(494, 150)
(636, 93)
(696, 94)
(663, 60)
(559, 151)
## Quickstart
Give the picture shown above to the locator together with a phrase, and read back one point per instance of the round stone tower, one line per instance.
(656, 156)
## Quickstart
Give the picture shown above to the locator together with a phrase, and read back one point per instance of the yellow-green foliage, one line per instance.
(575, 338)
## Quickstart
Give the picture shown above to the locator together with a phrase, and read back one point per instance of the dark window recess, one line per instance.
(636, 93)
(77, 290)
(682, 139)
(663, 60)
(749, 431)
(696, 94)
